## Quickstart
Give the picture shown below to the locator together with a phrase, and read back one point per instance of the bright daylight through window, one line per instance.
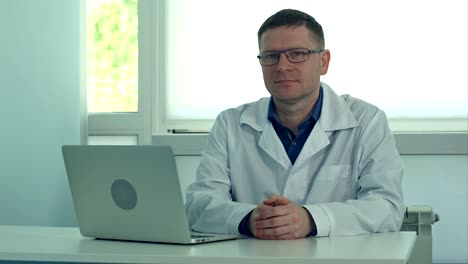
(406, 57)
(112, 55)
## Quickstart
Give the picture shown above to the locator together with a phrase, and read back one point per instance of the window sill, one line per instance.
(408, 143)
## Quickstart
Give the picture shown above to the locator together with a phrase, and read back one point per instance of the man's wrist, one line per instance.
(244, 225)
(313, 228)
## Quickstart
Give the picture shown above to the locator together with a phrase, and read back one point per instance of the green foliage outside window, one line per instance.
(112, 55)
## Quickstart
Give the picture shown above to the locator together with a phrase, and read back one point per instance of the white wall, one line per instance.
(442, 182)
(39, 108)
(436, 180)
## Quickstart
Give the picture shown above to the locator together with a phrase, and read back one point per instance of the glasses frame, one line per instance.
(279, 52)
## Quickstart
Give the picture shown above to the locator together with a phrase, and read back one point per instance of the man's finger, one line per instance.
(274, 200)
(266, 212)
(272, 232)
(272, 222)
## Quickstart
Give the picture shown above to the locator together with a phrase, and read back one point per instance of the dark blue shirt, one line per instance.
(292, 143)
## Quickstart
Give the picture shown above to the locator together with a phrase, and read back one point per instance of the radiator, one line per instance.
(420, 219)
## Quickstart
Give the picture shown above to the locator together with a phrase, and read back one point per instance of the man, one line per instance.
(303, 162)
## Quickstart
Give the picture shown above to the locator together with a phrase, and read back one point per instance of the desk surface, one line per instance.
(65, 244)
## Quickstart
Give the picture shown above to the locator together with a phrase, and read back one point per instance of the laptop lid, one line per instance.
(129, 193)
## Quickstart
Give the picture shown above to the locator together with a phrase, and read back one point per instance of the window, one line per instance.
(112, 55)
(406, 57)
(117, 104)
(415, 58)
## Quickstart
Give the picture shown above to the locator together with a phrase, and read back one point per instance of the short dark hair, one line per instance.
(291, 17)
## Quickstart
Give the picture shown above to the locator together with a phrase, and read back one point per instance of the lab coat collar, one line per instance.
(336, 115)
(256, 115)
(336, 112)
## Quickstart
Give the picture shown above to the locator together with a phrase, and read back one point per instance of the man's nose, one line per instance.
(283, 62)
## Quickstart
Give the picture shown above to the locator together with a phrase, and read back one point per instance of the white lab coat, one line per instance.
(348, 174)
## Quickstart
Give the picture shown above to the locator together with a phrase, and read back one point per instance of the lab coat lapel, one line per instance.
(271, 144)
(255, 116)
(318, 139)
(336, 115)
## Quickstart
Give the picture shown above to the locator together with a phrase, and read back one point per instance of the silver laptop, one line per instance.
(129, 193)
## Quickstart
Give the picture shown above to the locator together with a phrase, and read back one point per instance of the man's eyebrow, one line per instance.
(277, 50)
(270, 51)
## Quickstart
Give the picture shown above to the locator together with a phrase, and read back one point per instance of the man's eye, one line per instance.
(270, 56)
(298, 53)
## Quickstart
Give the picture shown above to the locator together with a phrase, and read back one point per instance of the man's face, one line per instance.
(292, 82)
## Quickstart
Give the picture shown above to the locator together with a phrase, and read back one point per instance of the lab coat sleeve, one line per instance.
(209, 204)
(379, 205)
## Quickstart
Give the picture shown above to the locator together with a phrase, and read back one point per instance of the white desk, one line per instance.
(64, 244)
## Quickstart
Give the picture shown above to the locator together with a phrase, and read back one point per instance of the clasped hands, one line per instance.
(279, 218)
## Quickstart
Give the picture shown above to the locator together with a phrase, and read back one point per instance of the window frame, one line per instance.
(138, 123)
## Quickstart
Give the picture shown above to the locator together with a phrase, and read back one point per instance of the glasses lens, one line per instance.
(269, 58)
(297, 55)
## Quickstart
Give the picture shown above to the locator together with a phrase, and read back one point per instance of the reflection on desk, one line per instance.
(65, 244)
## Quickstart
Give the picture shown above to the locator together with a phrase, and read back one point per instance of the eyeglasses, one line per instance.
(295, 55)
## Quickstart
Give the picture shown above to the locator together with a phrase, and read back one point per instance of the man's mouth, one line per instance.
(285, 81)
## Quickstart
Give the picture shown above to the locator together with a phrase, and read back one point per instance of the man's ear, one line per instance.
(324, 62)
